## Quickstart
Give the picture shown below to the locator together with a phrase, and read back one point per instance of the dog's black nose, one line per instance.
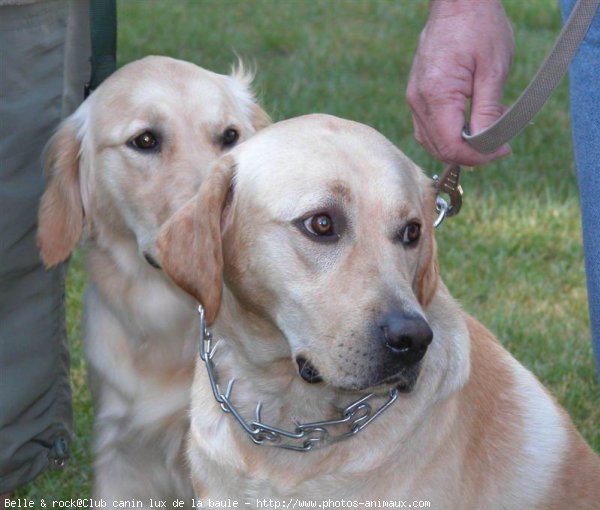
(406, 336)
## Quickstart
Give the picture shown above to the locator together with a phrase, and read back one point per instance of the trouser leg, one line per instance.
(44, 50)
(584, 78)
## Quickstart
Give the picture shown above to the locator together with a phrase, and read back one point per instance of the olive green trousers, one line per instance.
(44, 64)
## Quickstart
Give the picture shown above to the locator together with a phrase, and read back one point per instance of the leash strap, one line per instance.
(516, 118)
(103, 30)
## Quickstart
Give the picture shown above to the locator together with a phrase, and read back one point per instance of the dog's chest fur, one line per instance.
(353, 470)
(140, 342)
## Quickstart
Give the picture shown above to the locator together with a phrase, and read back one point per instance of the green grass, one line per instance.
(513, 256)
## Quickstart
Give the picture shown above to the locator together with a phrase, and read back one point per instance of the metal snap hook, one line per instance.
(448, 183)
(441, 207)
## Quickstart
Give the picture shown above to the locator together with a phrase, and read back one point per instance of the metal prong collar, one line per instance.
(305, 436)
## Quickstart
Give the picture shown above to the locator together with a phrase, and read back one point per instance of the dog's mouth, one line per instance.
(307, 371)
(404, 381)
(151, 260)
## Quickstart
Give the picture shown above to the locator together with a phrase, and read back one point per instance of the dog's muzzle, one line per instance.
(305, 436)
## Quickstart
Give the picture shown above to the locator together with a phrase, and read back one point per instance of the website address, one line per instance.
(339, 503)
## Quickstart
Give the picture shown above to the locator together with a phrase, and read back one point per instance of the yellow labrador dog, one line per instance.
(133, 153)
(311, 247)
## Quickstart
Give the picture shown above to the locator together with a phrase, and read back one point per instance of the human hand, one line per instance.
(464, 52)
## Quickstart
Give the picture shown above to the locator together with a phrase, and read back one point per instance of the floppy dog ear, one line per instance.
(60, 216)
(189, 244)
(260, 118)
(243, 76)
(427, 275)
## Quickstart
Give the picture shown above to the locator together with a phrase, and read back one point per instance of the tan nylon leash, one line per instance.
(524, 109)
(529, 103)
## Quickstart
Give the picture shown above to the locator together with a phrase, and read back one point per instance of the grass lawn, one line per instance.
(513, 257)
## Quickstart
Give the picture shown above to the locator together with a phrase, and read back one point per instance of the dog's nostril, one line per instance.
(401, 343)
(307, 370)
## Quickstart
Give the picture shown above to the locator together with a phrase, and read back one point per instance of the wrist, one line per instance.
(448, 8)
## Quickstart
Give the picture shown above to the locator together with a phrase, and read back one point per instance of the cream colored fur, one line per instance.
(477, 431)
(140, 330)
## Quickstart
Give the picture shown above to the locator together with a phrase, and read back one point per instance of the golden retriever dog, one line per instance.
(311, 247)
(133, 153)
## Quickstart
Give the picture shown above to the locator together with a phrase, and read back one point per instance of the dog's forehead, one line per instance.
(160, 84)
(320, 155)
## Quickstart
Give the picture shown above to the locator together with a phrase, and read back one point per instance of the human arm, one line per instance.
(464, 52)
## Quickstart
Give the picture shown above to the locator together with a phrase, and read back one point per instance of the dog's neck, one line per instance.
(147, 303)
(256, 354)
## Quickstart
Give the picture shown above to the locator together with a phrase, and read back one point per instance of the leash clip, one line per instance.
(448, 183)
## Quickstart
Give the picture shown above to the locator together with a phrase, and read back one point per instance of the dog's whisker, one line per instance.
(214, 348)
(258, 409)
(229, 388)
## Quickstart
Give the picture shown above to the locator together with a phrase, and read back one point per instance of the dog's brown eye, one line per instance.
(320, 225)
(147, 141)
(410, 233)
(230, 136)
